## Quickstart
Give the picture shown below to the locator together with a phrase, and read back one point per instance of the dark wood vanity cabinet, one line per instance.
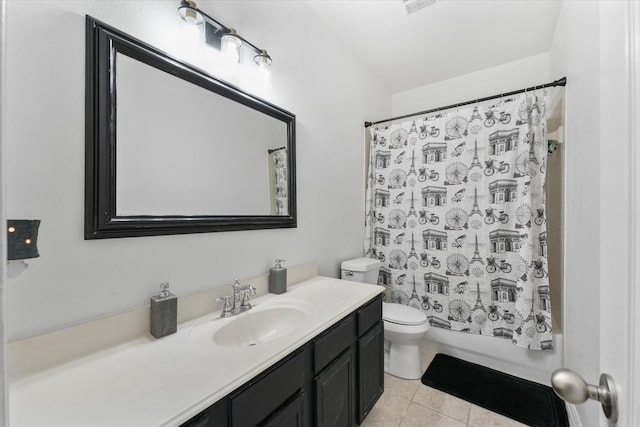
(333, 380)
(370, 373)
(370, 357)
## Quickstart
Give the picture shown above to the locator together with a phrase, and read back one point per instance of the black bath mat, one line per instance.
(524, 401)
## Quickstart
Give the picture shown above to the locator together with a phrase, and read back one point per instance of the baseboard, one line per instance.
(572, 413)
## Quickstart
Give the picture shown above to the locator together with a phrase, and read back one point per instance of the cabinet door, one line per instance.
(370, 370)
(251, 405)
(291, 415)
(334, 392)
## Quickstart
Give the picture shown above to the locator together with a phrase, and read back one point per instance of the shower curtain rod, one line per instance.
(559, 82)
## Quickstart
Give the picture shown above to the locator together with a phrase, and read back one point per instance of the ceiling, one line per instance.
(446, 39)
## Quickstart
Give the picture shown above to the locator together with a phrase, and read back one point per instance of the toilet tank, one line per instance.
(361, 270)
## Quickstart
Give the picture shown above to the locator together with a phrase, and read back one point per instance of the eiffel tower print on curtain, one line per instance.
(479, 305)
(412, 168)
(413, 253)
(476, 253)
(475, 115)
(475, 210)
(412, 208)
(475, 162)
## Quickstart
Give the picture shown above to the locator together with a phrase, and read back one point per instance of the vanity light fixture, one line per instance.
(221, 37)
(22, 243)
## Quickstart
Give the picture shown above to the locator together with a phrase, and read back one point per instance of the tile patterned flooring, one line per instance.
(409, 403)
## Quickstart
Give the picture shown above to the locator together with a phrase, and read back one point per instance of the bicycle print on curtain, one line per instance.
(455, 211)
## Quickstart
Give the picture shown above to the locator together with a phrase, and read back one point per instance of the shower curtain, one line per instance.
(456, 212)
(279, 196)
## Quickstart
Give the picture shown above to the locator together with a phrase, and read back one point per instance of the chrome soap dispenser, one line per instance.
(278, 278)
(164, 312)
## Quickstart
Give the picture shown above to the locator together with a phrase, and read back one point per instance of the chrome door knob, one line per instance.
(571, 387)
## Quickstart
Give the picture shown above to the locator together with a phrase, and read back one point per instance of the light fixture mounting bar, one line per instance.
(214, 29)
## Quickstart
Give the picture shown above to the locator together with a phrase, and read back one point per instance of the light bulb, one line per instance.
(231, 46)
(189, 13)
(263, 61)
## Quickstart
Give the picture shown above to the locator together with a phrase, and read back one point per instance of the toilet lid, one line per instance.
(402, 314)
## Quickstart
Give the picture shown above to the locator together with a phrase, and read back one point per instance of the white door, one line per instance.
(620, 208)
(602, 219)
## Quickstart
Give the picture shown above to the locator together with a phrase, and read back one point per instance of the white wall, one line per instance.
(314, 77)
(491, 81)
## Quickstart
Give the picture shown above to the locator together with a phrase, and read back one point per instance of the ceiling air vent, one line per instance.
(415, 5)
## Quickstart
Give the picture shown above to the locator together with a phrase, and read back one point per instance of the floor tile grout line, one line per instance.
(440, 412)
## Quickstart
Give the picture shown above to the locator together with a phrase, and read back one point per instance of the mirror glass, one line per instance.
(182, 150)
(170, 149)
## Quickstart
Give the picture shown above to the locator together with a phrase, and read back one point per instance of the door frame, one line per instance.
(4, 387)
(632, 395)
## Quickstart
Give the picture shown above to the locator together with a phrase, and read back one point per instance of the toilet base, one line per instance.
(402, 360)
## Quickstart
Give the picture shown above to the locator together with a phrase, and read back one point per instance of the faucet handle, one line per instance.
(246, 305)
(240, 287)
(227, 309)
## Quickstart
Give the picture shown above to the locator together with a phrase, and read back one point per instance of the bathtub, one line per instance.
(496, 353)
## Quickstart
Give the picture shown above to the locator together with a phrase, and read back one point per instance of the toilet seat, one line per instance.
(402, 315)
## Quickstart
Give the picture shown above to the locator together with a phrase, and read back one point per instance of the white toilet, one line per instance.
(404, 326)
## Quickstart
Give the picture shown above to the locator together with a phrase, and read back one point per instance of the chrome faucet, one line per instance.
(239, 302)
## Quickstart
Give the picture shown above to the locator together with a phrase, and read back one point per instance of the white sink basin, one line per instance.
(252, 327)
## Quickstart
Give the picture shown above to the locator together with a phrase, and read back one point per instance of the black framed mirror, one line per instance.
(173, 150)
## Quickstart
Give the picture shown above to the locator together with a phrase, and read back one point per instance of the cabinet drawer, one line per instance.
(333, 342)
(369, 315)
(256, 402)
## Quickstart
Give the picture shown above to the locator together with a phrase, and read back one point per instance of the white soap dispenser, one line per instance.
(278, 278)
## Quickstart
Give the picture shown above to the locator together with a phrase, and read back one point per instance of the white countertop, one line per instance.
(164, 382)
